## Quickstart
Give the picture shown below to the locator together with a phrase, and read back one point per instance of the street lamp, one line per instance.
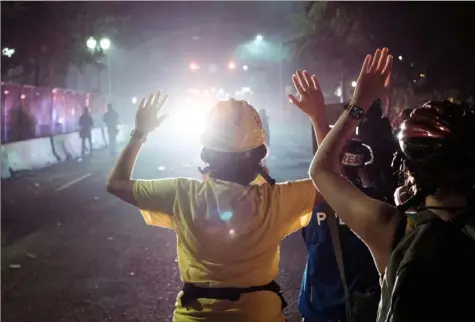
(8, 52)
(105, 45)
(91, 43)
(232, 65)
(245, 67)
(260, 46)
(353, 84)
(400, 58)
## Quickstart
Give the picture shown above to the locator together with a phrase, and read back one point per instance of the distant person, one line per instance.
(265, 124)
(111, 120)
(85, 130)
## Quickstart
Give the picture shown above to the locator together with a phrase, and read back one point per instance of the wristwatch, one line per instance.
(137, 134)
(355, 111)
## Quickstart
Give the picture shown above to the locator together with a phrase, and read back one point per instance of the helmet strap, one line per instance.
(263, 173)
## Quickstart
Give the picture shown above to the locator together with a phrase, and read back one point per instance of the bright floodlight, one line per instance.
(353, 84)
(105, 43)
(259, 38)
(194, 66)
(245, 67)
(232, 65)
(8, 51)
(187, 119)
(134, 100)
(91, 43)
(400, 58)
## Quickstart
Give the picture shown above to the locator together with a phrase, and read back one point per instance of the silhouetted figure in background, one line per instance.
(111, 120)
(85, 130)
(265, 124)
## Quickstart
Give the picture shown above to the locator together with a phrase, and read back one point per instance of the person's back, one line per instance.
(431, 271)
(86, 124)
(439, 257)
(228, 236)
(111, 119)
(322, 296)
(85, 121)
(228, 230)
(437, 144)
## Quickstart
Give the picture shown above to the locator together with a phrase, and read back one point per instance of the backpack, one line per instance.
(405, 246)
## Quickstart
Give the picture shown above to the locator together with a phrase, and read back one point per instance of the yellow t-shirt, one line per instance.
(228, 235)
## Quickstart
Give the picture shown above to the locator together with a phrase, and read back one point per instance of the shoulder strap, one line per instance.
(335, 237)
(424, 216)
(462, 223)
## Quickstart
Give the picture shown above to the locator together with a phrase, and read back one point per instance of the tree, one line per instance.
(332, 37)
(55, 38)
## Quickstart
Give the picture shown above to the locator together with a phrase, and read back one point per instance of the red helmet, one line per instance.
(438, 148)
(436, 129)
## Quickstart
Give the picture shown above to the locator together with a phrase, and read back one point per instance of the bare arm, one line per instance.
(375, 222)
(312, 103)
(120, 183)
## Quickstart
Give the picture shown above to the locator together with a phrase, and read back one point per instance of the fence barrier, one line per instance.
(38, 153)
(35, 112)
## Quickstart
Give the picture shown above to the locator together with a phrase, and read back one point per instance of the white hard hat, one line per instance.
(233, 126)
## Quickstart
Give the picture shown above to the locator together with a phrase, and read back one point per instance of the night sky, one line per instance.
(439, 36)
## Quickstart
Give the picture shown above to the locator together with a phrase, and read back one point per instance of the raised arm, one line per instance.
(119, 182)
(375, 222)
(311, 102)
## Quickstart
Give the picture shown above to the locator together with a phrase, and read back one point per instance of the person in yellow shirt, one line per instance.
(228, 230)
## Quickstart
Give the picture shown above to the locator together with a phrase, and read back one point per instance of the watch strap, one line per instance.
(355, 111)
(137, 134)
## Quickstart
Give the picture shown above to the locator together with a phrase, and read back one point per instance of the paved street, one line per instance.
(71, 252)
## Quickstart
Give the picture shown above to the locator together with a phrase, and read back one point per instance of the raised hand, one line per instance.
(146, 118)
(374, 80)
(310, 100)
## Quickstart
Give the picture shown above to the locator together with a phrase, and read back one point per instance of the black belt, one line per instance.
(192, 292)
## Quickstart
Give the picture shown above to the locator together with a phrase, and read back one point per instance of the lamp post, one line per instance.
(104, 44)
(258, 40)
